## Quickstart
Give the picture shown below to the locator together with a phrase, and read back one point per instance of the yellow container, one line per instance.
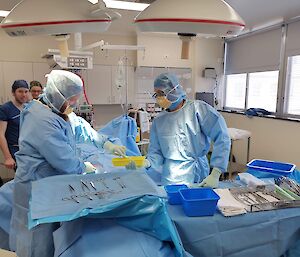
(138, 160)
(138, 135)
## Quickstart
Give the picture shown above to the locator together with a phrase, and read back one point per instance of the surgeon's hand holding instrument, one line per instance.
(89, 168)
(212, 180)
(115, 149)
(133, 166)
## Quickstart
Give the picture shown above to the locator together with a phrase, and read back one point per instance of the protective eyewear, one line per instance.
(161, 93)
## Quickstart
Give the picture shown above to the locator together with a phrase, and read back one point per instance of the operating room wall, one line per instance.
(209, 53)
(271, 139)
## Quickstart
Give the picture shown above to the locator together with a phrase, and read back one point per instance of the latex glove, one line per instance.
(212, 180)
(89, 168)
(132, 166)
(115, 149)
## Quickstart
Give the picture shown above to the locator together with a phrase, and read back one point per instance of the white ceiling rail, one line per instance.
(106, 46)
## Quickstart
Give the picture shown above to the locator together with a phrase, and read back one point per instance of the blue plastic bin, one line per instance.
(280, 168)
(173, 193)
(199, 201)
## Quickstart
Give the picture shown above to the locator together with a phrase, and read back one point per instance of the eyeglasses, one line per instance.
(158, 94)
(161, 93)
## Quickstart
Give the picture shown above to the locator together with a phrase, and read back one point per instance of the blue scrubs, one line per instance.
(180, 140)
(11, 114)
(47, 148)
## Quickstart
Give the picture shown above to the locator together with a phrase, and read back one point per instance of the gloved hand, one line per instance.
(89, 168)
(115, 149)
(212, 180)
(132, 166)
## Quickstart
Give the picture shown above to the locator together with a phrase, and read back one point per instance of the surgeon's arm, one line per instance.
(155, 156)
(9, 162)
(84, 133)
(54, 146)
(214, 126)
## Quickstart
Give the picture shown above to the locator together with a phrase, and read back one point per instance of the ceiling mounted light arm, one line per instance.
(101, 9)
(63, 44)
(106, 46)
(185, 48)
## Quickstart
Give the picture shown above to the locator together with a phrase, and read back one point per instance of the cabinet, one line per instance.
(99, 84)
(119, 95)
(13, 71)
(39, 71)
(101, 87)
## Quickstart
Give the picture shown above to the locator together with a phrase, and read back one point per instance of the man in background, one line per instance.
(35, 89)
(10, 121)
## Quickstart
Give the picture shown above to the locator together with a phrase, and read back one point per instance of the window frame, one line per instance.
(246, 100)
(288, 88)
(283, 85)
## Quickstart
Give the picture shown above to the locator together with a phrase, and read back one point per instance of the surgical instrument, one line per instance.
(93, 185)
(84, 185)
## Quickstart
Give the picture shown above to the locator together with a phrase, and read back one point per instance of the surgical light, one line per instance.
(210, 17)
(52, 17)
(188, 18)
(3, 13)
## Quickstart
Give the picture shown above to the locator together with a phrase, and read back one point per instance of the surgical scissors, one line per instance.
(71, 198)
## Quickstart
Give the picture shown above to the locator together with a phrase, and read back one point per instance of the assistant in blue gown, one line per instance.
(181, 135)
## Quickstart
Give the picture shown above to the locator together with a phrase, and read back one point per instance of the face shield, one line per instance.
(169, 93)
(62, 86)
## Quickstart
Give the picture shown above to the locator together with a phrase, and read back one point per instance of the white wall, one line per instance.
(163, 51)
(208, 54)
(31, 49)
(271, 139)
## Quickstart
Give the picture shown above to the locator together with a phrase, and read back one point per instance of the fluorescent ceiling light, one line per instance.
(3, 13)
(123, 5)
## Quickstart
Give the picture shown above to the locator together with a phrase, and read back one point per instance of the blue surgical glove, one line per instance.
(132, 165)
(119, 150)
(89, 168)
(212, 180)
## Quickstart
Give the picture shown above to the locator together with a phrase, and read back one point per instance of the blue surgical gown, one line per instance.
(47, 148)
(180, 140)
(84, 133)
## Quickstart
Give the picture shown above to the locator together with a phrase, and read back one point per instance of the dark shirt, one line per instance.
(11, 114)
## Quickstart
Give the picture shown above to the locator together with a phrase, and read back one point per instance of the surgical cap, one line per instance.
(169, 84)
(61, 86)
(19, 84)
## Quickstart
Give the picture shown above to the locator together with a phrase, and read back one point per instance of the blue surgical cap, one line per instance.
(19, 84)
(169, 84)
(61, 86)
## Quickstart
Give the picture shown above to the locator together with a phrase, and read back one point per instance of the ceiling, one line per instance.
(256, 13)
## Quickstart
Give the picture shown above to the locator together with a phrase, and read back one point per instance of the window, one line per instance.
(261, 93)
(236, 91)
(293, 85)
(262, 90)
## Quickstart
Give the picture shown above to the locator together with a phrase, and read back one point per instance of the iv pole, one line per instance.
(105, 46)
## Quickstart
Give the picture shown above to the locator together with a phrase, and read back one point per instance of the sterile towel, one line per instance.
(228, 205)
(237, 134)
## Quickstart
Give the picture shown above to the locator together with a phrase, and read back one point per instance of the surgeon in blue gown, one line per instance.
(47, 148)
(181, 136)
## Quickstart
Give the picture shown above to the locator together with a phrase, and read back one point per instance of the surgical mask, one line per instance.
(163, 102)
(68, 110)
